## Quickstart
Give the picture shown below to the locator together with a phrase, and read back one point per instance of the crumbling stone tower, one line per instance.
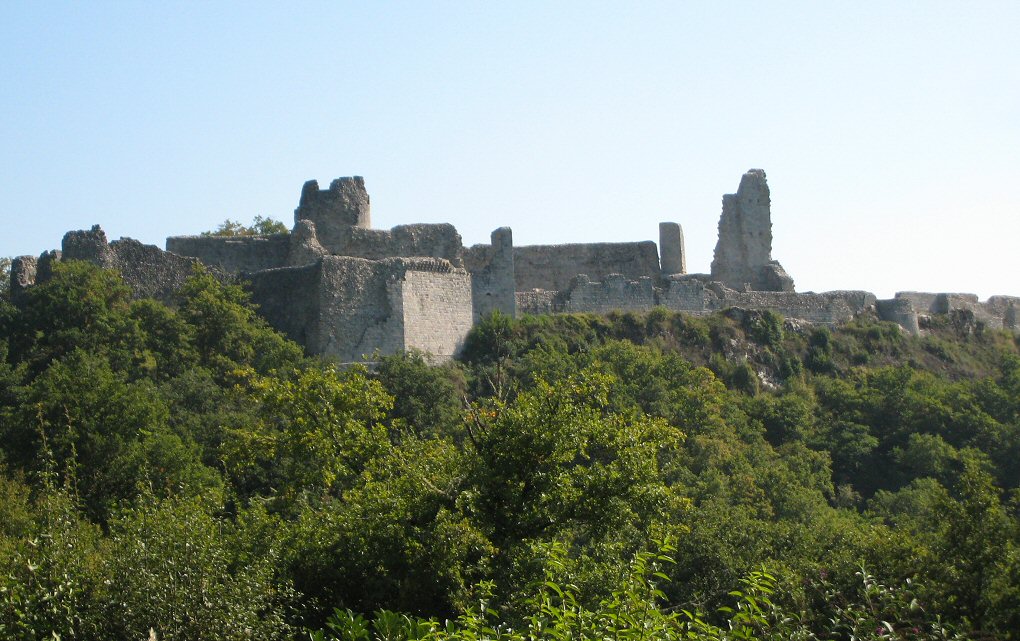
(743, 254)
(335, 210)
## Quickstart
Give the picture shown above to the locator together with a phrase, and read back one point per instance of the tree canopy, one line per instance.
(188, 470)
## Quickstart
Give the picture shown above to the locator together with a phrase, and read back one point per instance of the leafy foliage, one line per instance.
(260, 226)
(188, 470)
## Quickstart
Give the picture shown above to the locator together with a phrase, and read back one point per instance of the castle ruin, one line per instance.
(345, 290)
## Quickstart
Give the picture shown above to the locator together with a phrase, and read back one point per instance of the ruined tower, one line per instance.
(743, 255)
(335, 210)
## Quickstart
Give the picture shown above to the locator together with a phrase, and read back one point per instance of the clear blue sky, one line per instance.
(890, 131)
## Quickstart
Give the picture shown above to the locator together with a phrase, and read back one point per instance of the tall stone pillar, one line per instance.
(672, 254)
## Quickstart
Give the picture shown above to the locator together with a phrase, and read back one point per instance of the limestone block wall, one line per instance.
(233, 254)
(687, 295)
(364, 306)
(936, 303)
(615, 292)
(743, 253)
(672, 254)
(360, 309)
(1006, 308)
(827, 308)
(437, 311)
(692, 295)
(552, 267)
(150, 271)
(899, 311)
(492, 275)
(429, 240)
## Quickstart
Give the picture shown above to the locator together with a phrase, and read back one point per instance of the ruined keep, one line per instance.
(345, 290)
(743, 255)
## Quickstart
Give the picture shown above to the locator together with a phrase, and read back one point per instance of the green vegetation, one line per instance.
(188, 470)
(260, 226)
(5, 277)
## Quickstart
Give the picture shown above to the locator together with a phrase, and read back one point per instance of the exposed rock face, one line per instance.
(743, 255)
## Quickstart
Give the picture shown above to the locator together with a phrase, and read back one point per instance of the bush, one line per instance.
(179, 571)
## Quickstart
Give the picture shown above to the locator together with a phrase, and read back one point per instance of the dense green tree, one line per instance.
(186, 468)
(181, 572)
(427, 400)
(260, 226)
(315, 434)
(227, 333)
(81, 307)
(106, 434)
(399, 538)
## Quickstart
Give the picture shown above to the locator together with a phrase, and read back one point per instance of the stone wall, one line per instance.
(537, 301)
(492, 275)
(553, 266)
(437, 311)
(899, 311)
(428, 240)
(998, 312)
(1006, 308)
(360, 309)
(827, 308)
(350, 308)
(692, 295)
(233, 254)
(615, 292)
(672, 253)
(149, 271)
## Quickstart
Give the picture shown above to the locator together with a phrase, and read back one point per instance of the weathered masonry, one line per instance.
(345, 290)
